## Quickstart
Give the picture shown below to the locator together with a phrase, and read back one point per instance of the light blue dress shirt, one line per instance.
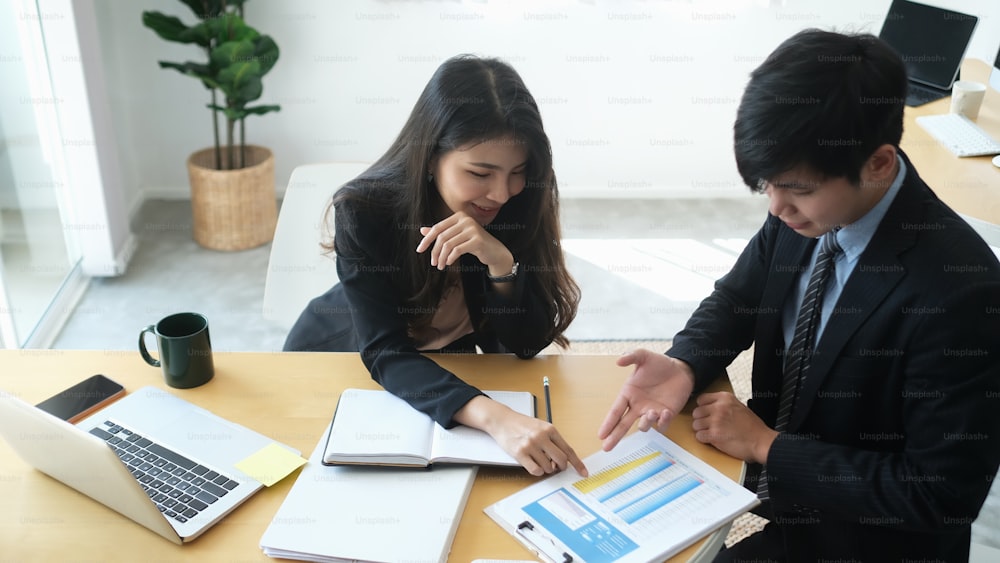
(853, 239)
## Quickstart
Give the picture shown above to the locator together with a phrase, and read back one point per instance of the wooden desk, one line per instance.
(971, 185)
(288, 397)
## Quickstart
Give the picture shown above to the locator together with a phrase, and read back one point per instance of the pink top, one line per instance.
(451, 320)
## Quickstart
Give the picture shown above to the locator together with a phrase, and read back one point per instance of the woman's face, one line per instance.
(478, 179)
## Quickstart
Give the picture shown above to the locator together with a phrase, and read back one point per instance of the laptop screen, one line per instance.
(931, 41)
(995, 75)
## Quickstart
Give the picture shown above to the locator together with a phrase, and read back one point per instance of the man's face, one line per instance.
(812, 205)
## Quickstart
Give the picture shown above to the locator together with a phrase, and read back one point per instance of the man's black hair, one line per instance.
(824, 100)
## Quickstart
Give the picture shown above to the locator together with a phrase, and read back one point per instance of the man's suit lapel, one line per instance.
(791, 256)
(877, 272)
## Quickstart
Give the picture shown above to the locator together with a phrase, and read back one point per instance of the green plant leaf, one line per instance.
(265, 51)
(230, 27)
(247, 86)
(231, 113)
(197, 7)
(194, 70)
(232, 53)
(239, 75)
(204, 9)
(201, 33)
(261, 110)
(167, 27)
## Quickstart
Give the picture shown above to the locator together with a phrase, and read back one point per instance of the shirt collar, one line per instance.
(854, 238)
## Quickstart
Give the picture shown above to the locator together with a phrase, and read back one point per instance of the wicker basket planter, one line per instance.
(233, 209)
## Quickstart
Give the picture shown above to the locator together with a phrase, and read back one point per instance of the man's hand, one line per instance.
(720, 419)
(657, 390)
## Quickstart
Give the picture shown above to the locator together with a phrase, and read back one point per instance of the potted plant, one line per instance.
(233, 200)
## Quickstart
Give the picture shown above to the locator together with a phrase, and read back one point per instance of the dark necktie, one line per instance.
(800, 351)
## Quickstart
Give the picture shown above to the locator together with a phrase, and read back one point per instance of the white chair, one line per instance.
(980, 553)
(298, 270)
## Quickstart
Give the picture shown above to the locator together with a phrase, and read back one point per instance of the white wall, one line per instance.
(638, 97)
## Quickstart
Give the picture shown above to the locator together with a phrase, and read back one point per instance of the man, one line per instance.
(872, 433)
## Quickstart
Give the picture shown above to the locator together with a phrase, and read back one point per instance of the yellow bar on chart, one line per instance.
(598, 480)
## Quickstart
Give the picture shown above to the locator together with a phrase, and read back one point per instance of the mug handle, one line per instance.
(142, 347)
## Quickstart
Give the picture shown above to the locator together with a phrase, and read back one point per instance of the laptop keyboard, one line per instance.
(918, 94)
(180, 487)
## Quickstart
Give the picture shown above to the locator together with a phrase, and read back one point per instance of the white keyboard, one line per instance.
(959, 134)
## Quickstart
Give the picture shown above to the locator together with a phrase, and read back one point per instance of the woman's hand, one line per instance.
(461, 234)
(534, 443)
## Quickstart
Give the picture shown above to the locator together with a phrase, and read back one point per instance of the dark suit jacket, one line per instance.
(367, 311)
(895, 436)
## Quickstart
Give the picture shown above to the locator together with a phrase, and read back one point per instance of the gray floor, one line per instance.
(170, 273)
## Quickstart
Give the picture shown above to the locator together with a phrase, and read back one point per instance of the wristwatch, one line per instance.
(506, 277)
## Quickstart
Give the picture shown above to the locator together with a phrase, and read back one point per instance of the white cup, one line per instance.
(967, 97)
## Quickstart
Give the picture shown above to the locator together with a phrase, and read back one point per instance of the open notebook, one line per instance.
(401, 435)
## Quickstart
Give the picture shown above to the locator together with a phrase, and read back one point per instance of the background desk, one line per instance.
(971, 185)
(289, 397)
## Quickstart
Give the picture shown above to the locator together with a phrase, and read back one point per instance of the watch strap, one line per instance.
(506, 277)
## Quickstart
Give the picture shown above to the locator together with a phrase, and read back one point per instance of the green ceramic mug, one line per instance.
(185, 349)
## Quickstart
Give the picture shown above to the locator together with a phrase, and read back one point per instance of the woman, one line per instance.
(447, 243)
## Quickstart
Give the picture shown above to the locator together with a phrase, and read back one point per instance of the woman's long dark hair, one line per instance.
(469, 100)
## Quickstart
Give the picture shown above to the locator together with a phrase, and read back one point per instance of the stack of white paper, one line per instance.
(361, 513)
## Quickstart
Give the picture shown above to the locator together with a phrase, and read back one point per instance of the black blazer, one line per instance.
(895, 436)
(367, 312)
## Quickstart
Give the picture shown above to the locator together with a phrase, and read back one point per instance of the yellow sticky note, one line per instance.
(270, 464)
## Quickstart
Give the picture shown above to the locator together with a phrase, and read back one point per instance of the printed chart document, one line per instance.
(362, 513)
(375, 427)
(645, 500)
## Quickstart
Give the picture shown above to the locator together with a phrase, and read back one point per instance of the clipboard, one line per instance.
(646, 500)
(543, 545)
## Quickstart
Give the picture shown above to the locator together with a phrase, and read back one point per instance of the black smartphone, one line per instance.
(79, 401)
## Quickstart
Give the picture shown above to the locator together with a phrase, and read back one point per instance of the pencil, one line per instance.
(548, 401)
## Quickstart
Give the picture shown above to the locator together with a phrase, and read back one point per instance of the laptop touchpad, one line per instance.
(212, 440)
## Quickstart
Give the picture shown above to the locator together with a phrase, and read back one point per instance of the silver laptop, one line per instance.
(155, 458)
